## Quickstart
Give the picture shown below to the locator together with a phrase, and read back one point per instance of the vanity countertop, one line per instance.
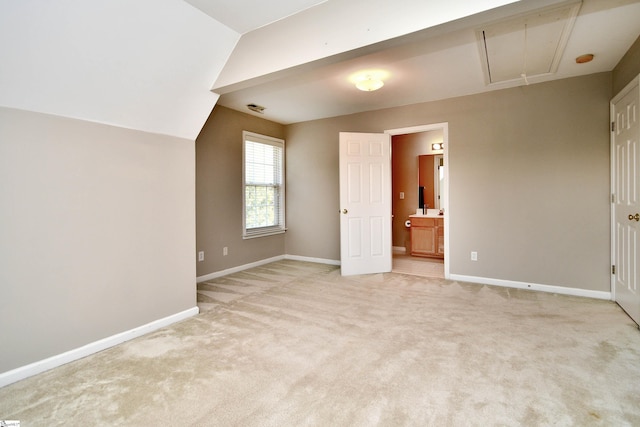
(431, 213)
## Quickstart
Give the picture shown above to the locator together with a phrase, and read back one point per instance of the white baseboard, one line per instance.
(473, 279)
(31, 369)
(399, 250)
(26, 371)
(533, 286)
(310, 259)
(243, 267)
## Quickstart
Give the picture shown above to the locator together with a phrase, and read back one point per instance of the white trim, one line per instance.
(459, 277)
(280, 227)
(231, 270)
(316, 260)
(415, 129)
(243, 267)
(264, 234)
(533, 286)
(399, 249)
(612, 206)
(38, 367)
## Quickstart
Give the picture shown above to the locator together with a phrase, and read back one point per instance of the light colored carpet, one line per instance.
(296, 344)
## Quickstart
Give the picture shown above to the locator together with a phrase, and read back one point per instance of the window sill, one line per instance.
(263, 234)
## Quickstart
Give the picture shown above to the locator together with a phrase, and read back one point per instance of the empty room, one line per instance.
(307, 212)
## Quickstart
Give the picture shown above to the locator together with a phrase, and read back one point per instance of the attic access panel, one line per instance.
(530, 45)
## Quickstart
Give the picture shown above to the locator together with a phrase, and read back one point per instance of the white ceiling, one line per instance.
(243, 16)
(133, 64)
(426, 65)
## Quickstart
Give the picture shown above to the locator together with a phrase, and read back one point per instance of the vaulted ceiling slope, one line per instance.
(243, 16)
(161, 65)
(299, 68)
(334, 27)
(146, 64)
(150, 64)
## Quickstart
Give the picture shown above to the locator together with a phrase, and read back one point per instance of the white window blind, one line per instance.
(263, 185)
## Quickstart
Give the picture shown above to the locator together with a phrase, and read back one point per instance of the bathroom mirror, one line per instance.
(431, 180)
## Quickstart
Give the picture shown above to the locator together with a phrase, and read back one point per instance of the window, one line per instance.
(263, 184)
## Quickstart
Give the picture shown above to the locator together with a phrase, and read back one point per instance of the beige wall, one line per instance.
(97, 232)
(219, 192)
(529, 181)
(628, 67)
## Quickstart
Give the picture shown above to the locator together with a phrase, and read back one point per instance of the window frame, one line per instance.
(280, 226)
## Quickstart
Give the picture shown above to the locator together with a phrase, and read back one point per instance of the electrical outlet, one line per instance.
(225, 251)
(474, 256)
(201, 256)
(402, 195)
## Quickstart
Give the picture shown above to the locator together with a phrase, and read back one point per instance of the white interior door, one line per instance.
(626, 191)
(365, 203)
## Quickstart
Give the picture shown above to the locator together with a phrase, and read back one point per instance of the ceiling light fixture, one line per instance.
(369, 84)
(437, 146)
(369, 80)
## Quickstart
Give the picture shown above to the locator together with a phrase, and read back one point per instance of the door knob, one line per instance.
(344, 211)
(636, 217)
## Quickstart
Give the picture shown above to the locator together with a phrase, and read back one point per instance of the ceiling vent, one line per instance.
(526, 46)
(257, 108)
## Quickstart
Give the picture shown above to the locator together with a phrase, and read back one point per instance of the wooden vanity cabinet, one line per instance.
(440, 238)
(427, 237)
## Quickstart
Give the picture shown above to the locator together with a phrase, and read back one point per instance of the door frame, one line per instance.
(444, 126)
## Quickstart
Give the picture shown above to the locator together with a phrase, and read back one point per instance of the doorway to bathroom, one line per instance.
(420, 182)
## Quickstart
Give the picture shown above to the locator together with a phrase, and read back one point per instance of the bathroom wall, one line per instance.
(405, 150)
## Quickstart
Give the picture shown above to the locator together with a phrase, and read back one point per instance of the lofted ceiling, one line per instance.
(485, 52)
(243, 16)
